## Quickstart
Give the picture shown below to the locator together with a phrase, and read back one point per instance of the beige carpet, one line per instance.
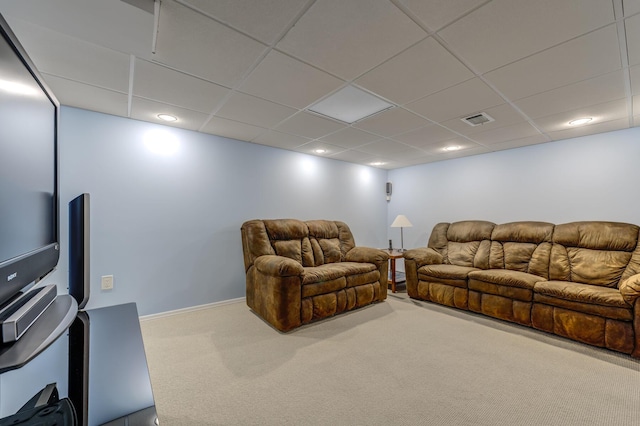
(400, 362)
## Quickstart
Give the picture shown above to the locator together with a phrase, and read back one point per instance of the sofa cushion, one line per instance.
(502, 282)
(596, 253)
(330, 240)
(464, 243)
(453, 275)
(583, 293)
(521, 246)
(335, 276)
(506, 278)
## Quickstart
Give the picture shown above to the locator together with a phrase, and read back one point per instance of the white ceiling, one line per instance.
(250, 69)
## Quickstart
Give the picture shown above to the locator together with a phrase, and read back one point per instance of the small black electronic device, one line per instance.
(79, 262)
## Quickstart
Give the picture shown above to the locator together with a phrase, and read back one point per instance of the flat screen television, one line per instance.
(29, 222)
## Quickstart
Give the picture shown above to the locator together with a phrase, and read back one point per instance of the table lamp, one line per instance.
(401, 222)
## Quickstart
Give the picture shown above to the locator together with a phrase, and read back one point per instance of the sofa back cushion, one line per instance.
(464, 243)
(290, 238)
(311, 243)
(596, 253)
(330, 241)
(522, 246)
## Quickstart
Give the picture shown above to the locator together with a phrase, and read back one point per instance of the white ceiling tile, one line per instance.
(264, 19)
(147, 110)
(586, 57)
(252, 110)
(594, 91)
(421, 70)
(158, 83)
(438, 148)
(79, 95)
(600, 113)
(383, 147)
(280, 140)
(391, 122)
(350, 138)
(64, 56)
(476, 150)
(407, 154)
(232, 129)
(427, 135)
(631, 7)
(353, 156)
(282, 79)
(309, 125)
(503, 134)
(518, 143)
(632, 26)
(606, 126)
(437, 13)
(504, 31)
(113, 24)
(634, 73)
(203, 47)
(457, 101)
(504, 115)
(347, 38)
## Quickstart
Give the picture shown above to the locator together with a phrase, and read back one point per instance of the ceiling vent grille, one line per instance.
(478, 119)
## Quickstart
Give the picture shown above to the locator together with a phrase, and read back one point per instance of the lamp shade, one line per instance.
(401, 221)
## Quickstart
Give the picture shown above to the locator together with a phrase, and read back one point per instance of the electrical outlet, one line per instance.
(107, 282)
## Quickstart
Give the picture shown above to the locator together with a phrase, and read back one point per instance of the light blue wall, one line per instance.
(587, 178)
(168, 227)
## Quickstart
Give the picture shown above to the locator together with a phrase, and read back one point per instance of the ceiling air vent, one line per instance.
(477, 119)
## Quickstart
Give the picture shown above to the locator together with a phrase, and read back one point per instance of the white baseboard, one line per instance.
(191, 309)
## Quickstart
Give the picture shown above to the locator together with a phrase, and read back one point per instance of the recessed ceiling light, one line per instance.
(320, 151)
(580, 121)
(452, 148)
(167, 117)
(349, 105)
(377, 163)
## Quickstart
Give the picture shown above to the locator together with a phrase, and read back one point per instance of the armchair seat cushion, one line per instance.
(453, 275)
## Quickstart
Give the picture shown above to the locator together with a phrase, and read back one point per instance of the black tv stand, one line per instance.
(53, 322)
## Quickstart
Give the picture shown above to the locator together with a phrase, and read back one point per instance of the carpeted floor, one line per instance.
(401, 362)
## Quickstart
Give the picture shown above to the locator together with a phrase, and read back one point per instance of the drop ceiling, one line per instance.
(252, 69)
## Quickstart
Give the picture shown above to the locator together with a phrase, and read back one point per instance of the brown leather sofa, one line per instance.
(579, 280)
(298, 272)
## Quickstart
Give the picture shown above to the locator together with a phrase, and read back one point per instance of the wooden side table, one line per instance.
(393, 255)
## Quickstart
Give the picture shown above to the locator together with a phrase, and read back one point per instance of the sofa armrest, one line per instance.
(278, 266)
(630, 289)
(423, 256)
(274, 292)
(413, 260)
(367, 255)
(378, 257)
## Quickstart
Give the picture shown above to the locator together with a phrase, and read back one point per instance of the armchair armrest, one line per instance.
(630, 289)
(367, 255)
(423, 256)
(278, 266)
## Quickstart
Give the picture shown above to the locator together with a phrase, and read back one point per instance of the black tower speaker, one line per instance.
(79, 276)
